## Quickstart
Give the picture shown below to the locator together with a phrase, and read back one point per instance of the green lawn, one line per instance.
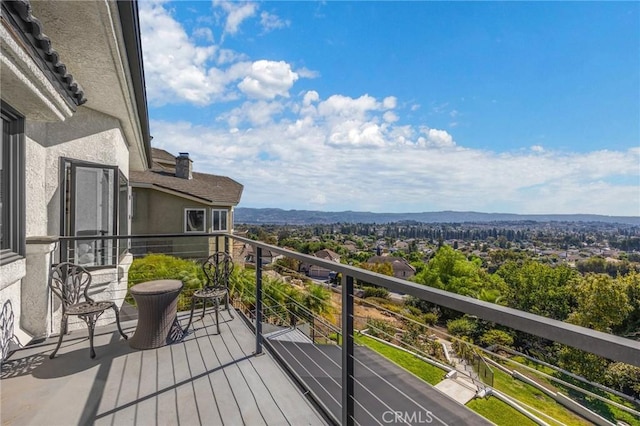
(608, 411)
(420, 368)
(500, 413)
(492, 408)
(533, 397)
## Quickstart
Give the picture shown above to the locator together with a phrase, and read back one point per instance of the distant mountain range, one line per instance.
(310, 217)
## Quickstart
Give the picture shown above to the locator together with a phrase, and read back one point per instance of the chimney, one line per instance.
(184, 166)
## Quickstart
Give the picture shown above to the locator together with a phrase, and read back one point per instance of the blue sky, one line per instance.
(403, 106)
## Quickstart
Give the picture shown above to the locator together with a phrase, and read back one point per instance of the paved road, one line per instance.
(384, 392)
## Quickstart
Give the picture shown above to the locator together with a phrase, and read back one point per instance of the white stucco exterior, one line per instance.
(106, 130)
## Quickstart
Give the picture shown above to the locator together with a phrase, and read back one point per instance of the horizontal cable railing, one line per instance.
(261, 303)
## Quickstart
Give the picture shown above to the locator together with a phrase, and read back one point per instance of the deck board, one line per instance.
(205, 379)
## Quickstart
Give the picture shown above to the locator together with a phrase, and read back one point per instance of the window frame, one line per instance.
(13, 180)
(204, 220)
(68, 225)
(213, 221)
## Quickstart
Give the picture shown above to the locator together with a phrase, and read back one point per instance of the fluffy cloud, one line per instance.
(268, 79)
(237, 13)
(337, 152)
(177, 69)
(361, 162)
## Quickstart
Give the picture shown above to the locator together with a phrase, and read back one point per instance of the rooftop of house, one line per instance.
(327, 254)
(211, 189)
(397, 262)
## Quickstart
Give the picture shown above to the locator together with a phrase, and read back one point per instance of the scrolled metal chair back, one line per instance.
(218, 268)
(70, 282)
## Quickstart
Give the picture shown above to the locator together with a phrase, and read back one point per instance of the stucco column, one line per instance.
(35, 294)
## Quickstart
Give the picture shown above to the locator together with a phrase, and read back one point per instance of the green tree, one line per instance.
(450, 270)
(602, 302)
(623, 377)
(317, 299)
(538, 288)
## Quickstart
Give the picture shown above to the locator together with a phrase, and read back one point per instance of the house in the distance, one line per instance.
(170, 198)
(319, 272)
(401, 268)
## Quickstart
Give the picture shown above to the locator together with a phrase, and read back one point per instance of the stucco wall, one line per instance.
(88, 136)
(157, 212)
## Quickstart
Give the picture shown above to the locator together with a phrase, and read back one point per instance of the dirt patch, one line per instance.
(362, 312)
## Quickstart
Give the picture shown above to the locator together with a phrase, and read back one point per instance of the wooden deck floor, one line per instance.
(206, 379)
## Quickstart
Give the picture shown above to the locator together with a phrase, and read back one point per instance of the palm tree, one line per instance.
(316, 299)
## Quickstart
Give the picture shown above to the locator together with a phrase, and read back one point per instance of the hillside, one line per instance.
(308, 217)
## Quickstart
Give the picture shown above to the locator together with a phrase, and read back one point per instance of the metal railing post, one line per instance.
(258, 300)
(347, 350)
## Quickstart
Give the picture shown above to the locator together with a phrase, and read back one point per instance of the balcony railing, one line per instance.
(199, 246)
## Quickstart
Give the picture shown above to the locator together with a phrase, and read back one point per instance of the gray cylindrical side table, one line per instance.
(157, 303)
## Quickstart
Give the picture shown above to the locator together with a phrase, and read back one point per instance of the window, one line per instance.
(12, 166)
(219, 220)
(90, 207)
(194, 220)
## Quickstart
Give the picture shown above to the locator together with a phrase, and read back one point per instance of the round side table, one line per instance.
(157, 303)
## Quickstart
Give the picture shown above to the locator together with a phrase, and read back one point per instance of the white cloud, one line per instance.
(272, 22)
(390, 117)
(390, 102)
(307, 73)
(437, 138)
(204, 33)
(268, 79)
(337, 152)
(178, 69)
(347, 157)
(237, 13)
(344, 106)
(255, 114)
(310, 97)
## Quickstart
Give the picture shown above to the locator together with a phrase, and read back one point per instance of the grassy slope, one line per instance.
(502, 414)
(533, 397)
(499, 412)
(422, 369)
(608, 411)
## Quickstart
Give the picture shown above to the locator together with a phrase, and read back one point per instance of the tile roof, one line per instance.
(20, 12)
(212, 189)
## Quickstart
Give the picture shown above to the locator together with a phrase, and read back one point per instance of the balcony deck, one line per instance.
(207, 378)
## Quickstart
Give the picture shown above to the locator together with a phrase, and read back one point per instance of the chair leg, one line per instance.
(217, 307)
(204, 306)
(226, 302)
(91, 324)
(63, 326)
(193, 305)
(118, 322)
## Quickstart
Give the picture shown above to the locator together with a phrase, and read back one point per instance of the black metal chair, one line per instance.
(70, 283)
(217, 269)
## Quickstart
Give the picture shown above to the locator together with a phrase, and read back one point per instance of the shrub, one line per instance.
(377, 301)
(496, 337)
(163, 267)
(375, 292)
(380, 328)
(430, 318)
(461, 327)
